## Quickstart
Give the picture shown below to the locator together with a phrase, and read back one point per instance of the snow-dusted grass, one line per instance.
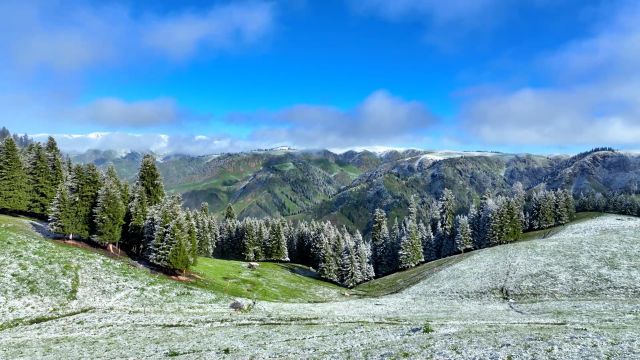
(575, 294)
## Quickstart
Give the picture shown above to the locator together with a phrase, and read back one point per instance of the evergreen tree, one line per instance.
(54, 161)
(203, 230)
(328, 267)
(410, 253)
(363, 251)
(135, 218)
(428, 245)
(464, 240)
(150, 180)
(229, 213)
(176, 243)
(87, 183)
(13, 178)
(381, 242)
(61, 214)
(349, 272)
(277, 243)
(191, 239)
(41, 189)
(109, 211)
(447, 213)
(170, 236)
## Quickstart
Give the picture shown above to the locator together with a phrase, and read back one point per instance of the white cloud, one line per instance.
(380, 119)
(594, 99)
(116, 112)
(73, 35)
(219, 28)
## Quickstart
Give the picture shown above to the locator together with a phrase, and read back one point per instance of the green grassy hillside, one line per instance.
(269, 281)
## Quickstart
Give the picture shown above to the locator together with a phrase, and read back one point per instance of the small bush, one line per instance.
(427, 329)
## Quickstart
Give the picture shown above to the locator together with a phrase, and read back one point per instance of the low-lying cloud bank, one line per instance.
(380, 119)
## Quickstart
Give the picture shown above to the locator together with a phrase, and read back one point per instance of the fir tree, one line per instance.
(176, 241)
(229, 213)
(447, 213)
(363, 251)
(13, 178)
(381, 242)
(41, 188)
(54, 161)
(109, 212)
(349, 272)
(191, 239)
(203, 230)
(464, 240)
(428, 246)
(87, 183)
(277, 243)
(410, 253)
(135, 218)
(61, 215)
(150, 180)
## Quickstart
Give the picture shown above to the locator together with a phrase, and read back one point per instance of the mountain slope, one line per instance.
(348, 187)
(572, 296)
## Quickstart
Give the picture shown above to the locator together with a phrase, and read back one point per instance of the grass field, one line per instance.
(268, 282)
(574, 294)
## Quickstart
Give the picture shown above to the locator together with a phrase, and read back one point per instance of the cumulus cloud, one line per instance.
(73, 35)
(380, 119)
(117, 112)
(593, 99)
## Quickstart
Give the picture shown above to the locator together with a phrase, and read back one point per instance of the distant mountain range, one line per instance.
(347, 187)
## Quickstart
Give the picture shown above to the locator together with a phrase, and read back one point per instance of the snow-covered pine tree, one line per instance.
(249, 240)
(393, 249)
(202, 229)
(380, 242)
(109, 211)
(135, 218)
(328, 266)
(410, 252)
(561, 214)
(277, 242)
(428, 246)
(447, 213)
(192, 238)
(349, 271)
(363, 250)
(464, 240)
(61, 214)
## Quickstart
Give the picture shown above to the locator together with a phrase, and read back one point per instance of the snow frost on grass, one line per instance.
(574, 294)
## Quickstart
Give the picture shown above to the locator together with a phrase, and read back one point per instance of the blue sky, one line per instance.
(202, 77)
